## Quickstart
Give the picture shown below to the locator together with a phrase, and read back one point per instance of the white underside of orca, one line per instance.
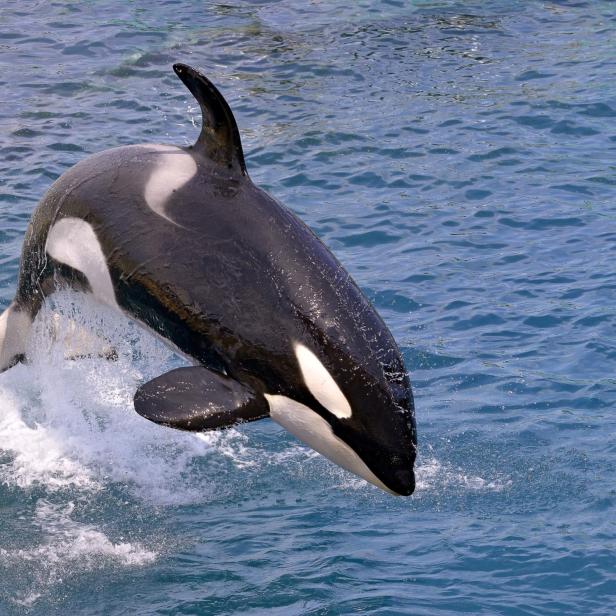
(72, 241)
(174, 168)
(313, 430)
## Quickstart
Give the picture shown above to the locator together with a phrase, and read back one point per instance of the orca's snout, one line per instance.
(402, 482)
(392, 457)
(396, 472)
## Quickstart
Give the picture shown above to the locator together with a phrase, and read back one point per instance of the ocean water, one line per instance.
(460, 160)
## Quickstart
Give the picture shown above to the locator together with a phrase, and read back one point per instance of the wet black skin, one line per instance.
(234, 284)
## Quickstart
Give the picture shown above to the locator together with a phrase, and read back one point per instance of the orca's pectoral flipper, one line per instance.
(220, 138)
(198, 399)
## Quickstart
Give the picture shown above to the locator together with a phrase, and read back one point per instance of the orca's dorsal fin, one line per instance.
(220, 138)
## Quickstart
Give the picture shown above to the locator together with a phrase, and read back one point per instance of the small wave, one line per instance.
(65, 545)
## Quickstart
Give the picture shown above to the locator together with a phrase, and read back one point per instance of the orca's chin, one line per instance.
(312, 429)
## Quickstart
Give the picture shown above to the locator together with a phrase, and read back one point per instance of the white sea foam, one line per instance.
(71, 423)
(434, 475)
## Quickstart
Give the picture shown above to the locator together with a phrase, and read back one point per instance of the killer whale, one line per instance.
(181, 240)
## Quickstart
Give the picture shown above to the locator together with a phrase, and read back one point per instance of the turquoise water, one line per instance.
(460, 160)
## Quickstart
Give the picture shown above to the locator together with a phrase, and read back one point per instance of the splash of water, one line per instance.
(70, 423)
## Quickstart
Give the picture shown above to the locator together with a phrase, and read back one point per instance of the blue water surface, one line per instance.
(460, 160)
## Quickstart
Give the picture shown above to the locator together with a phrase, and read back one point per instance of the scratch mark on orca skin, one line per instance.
(72, 241)
(321, 384)
(174, 169)
(125, 277)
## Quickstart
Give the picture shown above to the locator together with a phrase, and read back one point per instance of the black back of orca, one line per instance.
(233, 279)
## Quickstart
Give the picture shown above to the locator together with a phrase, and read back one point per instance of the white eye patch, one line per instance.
(321, 384)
